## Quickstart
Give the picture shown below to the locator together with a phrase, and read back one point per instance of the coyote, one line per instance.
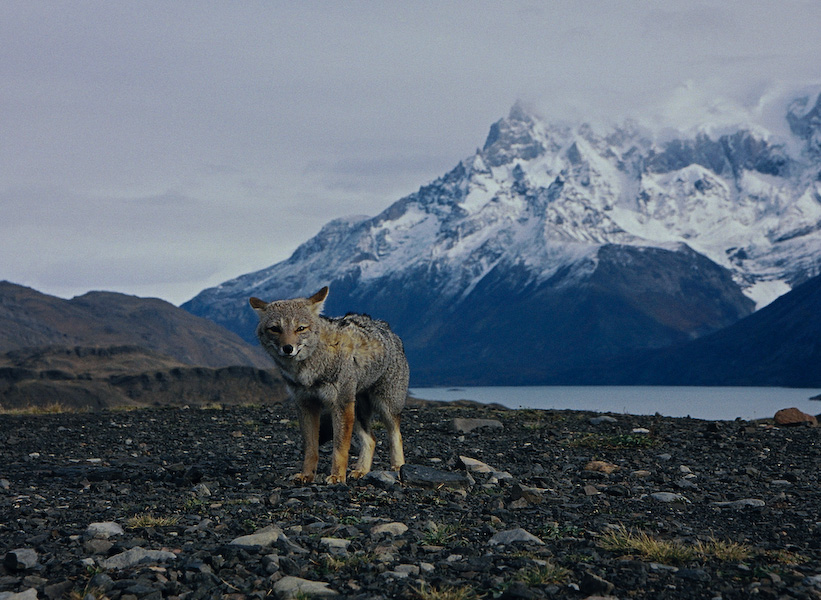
(353, 367)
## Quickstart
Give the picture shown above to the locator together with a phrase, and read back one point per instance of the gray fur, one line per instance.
(353, 367)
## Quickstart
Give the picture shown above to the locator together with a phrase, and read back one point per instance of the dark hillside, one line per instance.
(779, 345)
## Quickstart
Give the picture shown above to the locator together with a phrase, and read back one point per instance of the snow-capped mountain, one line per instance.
(556, 244)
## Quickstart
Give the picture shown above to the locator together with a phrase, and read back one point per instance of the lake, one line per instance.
(712, 403)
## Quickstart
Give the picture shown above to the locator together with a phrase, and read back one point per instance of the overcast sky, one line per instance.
(159, 148)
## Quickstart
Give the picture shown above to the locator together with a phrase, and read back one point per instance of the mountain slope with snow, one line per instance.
(555, 245)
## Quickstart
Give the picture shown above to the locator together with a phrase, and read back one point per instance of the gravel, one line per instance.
(192, 504)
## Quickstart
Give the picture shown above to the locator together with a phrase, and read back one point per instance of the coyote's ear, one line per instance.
(318, 299)
(258, 305)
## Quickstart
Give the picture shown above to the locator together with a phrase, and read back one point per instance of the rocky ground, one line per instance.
(192, 503)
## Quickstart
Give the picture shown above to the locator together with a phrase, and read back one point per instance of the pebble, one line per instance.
(602, 419)
(29, 594)
(335, 545)
(743, 503)
(429, 477)
(104, 530)
(137, 556)
(514, 536)
(260, 539)
(466, 425)
(668, 497)
(393, 529)
(291, 587)
(20, 559)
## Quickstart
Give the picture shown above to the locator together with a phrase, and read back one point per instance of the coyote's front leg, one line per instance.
(343, 418)
(309, 415)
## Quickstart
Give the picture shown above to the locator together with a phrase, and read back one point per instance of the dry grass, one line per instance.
(672, 551)
(45, 409)
(148, 520)
(446, 593)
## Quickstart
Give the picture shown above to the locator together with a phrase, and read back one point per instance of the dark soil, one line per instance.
(208, 477)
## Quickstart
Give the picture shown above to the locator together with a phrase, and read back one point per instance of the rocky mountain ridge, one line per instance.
(546, 219)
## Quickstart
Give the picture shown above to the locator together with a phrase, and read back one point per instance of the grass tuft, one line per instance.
(148, 520)
(464, 592)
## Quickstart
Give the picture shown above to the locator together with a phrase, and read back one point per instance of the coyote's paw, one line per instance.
(358, 473)
(396, 467)
(303, 478)
(331, 479)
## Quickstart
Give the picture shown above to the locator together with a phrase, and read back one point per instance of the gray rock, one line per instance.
(292, 587)
(394, 529)
(104, 530)
(201, 490)
(514, 536)
(4, 484)
(382, 479)
(461, 425)
(61, 589)
(743, 503)
(335, 545)
(20, 559)
(694, 574)
(593, 584)
(475, 466)
(602, 419)
(261, 539)
(29, 594)
(429, 477)
(137, 556)
(668, 497)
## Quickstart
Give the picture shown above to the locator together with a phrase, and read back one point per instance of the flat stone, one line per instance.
(393, 529)
(593, 584)
(137, 556)
(600, 466)
(261, 539)
(473, 465)
(476, 466)
(290, 587)
(428, 477)
(602, 419)
(335, 545)
(463, 425)
(382, 479)
(20, 559)
(668, 497)
(514, 536)
(29, 594)
(104, 530)
(743, 503)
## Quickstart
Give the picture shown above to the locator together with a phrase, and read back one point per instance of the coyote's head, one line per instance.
(289, 329)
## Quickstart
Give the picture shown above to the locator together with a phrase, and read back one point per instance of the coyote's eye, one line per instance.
(301, 328)
(275, 329)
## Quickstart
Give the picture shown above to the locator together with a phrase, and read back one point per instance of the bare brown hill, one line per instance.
(103, 350)
(125, 376)
(29, 318)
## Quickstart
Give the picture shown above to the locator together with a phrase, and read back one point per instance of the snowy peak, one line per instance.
(603, 239)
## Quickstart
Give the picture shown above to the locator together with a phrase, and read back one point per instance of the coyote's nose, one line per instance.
(288, 349)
